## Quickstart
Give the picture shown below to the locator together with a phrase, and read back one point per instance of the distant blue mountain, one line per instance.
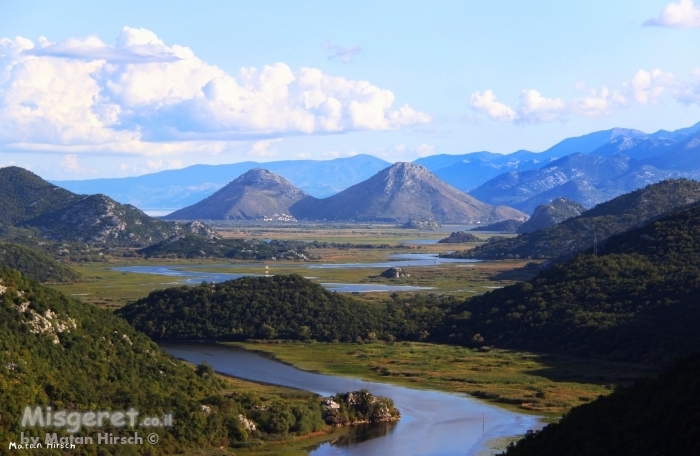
(607, 163)
(623, 164)
(468, 171)
(178, 188)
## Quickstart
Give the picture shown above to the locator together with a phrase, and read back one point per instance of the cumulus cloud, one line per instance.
(647, 86)
(143, 96)
(536, 108)
(487, 102)
(340, 53)
(643, 88)
(533, 107)
(683, 14)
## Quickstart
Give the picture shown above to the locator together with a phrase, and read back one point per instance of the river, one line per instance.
(432, 424)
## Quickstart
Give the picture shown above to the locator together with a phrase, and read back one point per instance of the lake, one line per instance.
(432, 423)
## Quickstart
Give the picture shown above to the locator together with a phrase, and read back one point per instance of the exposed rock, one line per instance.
(394, 273)
(459, 237)
(358, 407)
(249, 425)
(547, 215)
(421, 225)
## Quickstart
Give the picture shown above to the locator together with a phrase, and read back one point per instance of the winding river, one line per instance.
(432, 423)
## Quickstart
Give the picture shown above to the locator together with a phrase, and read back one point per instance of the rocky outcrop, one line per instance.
(394, 273)
(421, 225)
(547, 215)
(358, 407)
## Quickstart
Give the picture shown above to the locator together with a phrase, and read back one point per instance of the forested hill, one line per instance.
(636, 301)
(652, 417)
(605, 220)
(35, 264)
(278, 307)
(28, 201)
(59, 352)
(24, 196)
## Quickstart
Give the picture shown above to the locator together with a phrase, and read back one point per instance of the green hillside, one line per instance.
(192, 246)
(35, 264)
(32, 208)
(278, 307)
(635, 301)
(59, 352)
(26, 196)
(607, 219)
(652, 417)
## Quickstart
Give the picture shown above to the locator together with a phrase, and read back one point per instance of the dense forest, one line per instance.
(459, 237)
(59, 352)
(278, 307)
(652, 417)
(34, 264)
(607, 219)
(635, 301)
(191, 246)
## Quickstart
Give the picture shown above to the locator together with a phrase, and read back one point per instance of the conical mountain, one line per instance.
(255, 194)
(404, 191)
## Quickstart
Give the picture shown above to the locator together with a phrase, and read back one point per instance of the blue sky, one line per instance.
(105, 89)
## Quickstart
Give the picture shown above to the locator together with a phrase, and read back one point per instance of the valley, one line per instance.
(398, 281)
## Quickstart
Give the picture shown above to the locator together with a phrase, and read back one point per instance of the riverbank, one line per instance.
(529, 383)
(432, 422)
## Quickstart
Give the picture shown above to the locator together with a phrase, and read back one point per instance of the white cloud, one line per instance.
(647, 86)
(70, 164)
(142, 96)
(535, 108)
(683, 14)
(486, 102)
(340, 53)
(643, 88)
(597, 103)
(261, 148)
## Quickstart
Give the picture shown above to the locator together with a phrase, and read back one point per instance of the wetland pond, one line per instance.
(184, 275)
(432, 423)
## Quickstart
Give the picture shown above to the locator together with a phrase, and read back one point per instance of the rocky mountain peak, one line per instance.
(406, 177)
(260, 177)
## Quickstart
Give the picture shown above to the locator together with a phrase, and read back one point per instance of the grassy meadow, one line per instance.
(524, 382)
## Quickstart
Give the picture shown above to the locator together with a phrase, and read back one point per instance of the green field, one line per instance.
(524, 382)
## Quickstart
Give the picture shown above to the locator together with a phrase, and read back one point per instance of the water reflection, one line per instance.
(358, 434)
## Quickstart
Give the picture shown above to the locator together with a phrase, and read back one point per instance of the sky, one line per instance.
(121, 88)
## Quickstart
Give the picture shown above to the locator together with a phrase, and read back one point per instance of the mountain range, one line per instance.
(398, 193)
(174, 189)
(609, 163)
(579, 233)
